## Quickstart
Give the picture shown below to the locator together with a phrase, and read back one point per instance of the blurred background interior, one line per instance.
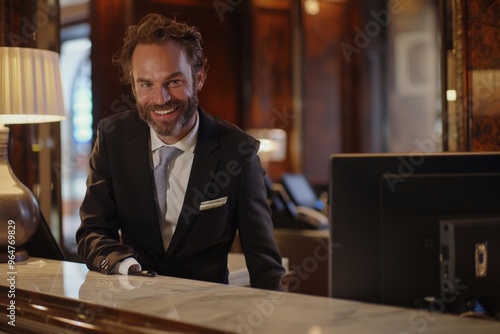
(307, 77)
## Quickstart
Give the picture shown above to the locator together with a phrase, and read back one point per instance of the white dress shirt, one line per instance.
(178, 178)
(176, 189)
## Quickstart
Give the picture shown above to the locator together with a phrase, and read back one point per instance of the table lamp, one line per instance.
(272, 144)
(30, 92)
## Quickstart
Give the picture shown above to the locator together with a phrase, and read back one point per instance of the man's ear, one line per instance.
(200, 80)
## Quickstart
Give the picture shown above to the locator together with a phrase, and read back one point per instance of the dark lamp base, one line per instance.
(19, 256)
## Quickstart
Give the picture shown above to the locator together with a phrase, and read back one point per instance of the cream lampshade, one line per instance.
(30, 92)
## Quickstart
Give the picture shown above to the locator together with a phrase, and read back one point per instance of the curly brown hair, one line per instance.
(158, 29)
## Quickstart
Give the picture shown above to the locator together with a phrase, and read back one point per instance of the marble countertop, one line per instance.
(230, 308)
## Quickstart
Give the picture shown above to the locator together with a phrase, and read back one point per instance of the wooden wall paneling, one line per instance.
(222, 94)
(457, 127)
(193, 3)
(271, 68)
(322, 89)
(370, 92)
(350, 61)
(109, 20)
(483, 71)
(4, 23)
(448, 61)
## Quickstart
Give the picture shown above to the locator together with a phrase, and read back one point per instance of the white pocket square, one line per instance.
(213, 203)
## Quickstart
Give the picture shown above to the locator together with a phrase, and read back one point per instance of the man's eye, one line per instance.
(175, 83)
(145, 85)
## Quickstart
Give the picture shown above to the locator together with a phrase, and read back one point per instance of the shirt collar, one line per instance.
(187, 144)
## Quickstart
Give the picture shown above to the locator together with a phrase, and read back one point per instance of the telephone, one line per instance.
(294, 203)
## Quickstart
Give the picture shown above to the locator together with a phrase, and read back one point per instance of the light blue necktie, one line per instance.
(161, 171)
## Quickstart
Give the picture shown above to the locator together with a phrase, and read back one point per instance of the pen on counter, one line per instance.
(147, 273)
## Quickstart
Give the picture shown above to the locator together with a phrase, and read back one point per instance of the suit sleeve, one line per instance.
(98, 235)
(256, 230)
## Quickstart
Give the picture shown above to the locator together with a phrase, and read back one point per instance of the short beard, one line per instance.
(189, 107)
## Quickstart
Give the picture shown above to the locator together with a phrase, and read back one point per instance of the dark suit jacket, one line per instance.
(119, 215)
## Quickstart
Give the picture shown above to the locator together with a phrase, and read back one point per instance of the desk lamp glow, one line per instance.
(272, 144)
(30, 92)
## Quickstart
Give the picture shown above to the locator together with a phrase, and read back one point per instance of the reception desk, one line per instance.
(64, 297)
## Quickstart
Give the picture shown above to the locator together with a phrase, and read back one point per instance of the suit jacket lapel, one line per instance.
(199, 180)
(141, 164)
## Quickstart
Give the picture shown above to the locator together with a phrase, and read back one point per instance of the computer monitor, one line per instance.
(386, 211)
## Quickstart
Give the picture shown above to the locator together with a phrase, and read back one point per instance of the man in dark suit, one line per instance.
(215, 185)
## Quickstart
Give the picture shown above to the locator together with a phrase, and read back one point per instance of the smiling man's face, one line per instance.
(165, 89)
